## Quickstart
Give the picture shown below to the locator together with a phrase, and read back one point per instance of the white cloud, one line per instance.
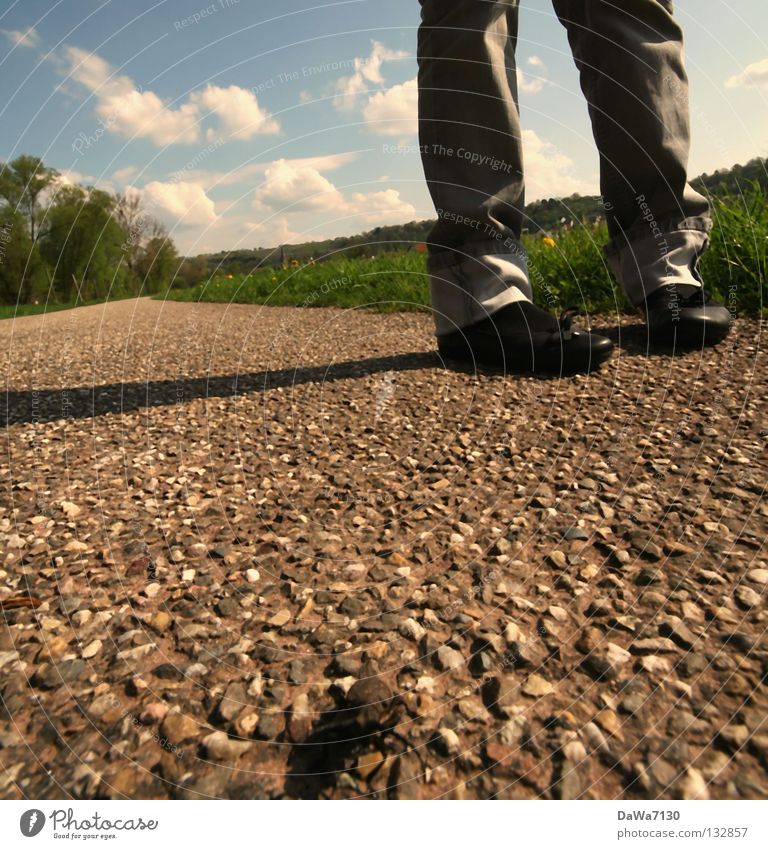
(269, 234)
(548, 171)
(94, 72)
(292, 188)
(299, 187)
(68, 177)
(144, 115)
(326, 162)
(532, 84)
(238, 111)
(528, 85)
(753, 76)
(385, 207)
(230, 232)
(179, 204)
(242, 174)
(393, 112)
(390, 112)
(22, 38)
(124, 175)
(127, 111)
(367, 74)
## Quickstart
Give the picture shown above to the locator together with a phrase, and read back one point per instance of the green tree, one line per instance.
(22, 183)
(192, 270)
(22, 271)
(136, 224)
(85, 246)
(157, 262)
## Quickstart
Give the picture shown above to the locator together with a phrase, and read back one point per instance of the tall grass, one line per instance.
(735, 265)
(572, 271)
(390, 282)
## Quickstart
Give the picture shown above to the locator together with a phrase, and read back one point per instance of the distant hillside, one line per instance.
(541, 216)
(395, 237)
(734, 180)
(548, 214)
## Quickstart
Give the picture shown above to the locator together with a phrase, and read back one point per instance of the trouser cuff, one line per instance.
(467, 287)
(642, 264)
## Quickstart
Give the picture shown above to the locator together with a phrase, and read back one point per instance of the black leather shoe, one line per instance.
(522, 338)
(685, 322)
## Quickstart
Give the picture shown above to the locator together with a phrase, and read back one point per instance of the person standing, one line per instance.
(629, 56)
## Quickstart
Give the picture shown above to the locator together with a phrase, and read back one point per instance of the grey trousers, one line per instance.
(629, 54)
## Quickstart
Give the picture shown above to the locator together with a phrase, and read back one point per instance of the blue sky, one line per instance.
(247, 124)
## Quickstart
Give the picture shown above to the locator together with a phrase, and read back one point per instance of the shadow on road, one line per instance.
(46, 405)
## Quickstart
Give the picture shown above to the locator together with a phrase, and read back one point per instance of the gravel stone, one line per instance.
(536, 686)
(221, 747)
(448, 658)
(178, 727)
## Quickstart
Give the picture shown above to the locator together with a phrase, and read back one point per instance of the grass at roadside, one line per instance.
(567, 271)
(736, 265)
(390, 282)
(20, 310)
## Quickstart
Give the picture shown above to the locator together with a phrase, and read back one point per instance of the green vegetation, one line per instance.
(736, 265)
(62, 244)
(390, 282)
(569, 270)
(20, 310)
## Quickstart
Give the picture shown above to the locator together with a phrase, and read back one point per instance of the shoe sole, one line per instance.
(479, 363)
(687, 339)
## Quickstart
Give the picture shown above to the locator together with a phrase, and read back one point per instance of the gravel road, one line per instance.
(254, 552)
